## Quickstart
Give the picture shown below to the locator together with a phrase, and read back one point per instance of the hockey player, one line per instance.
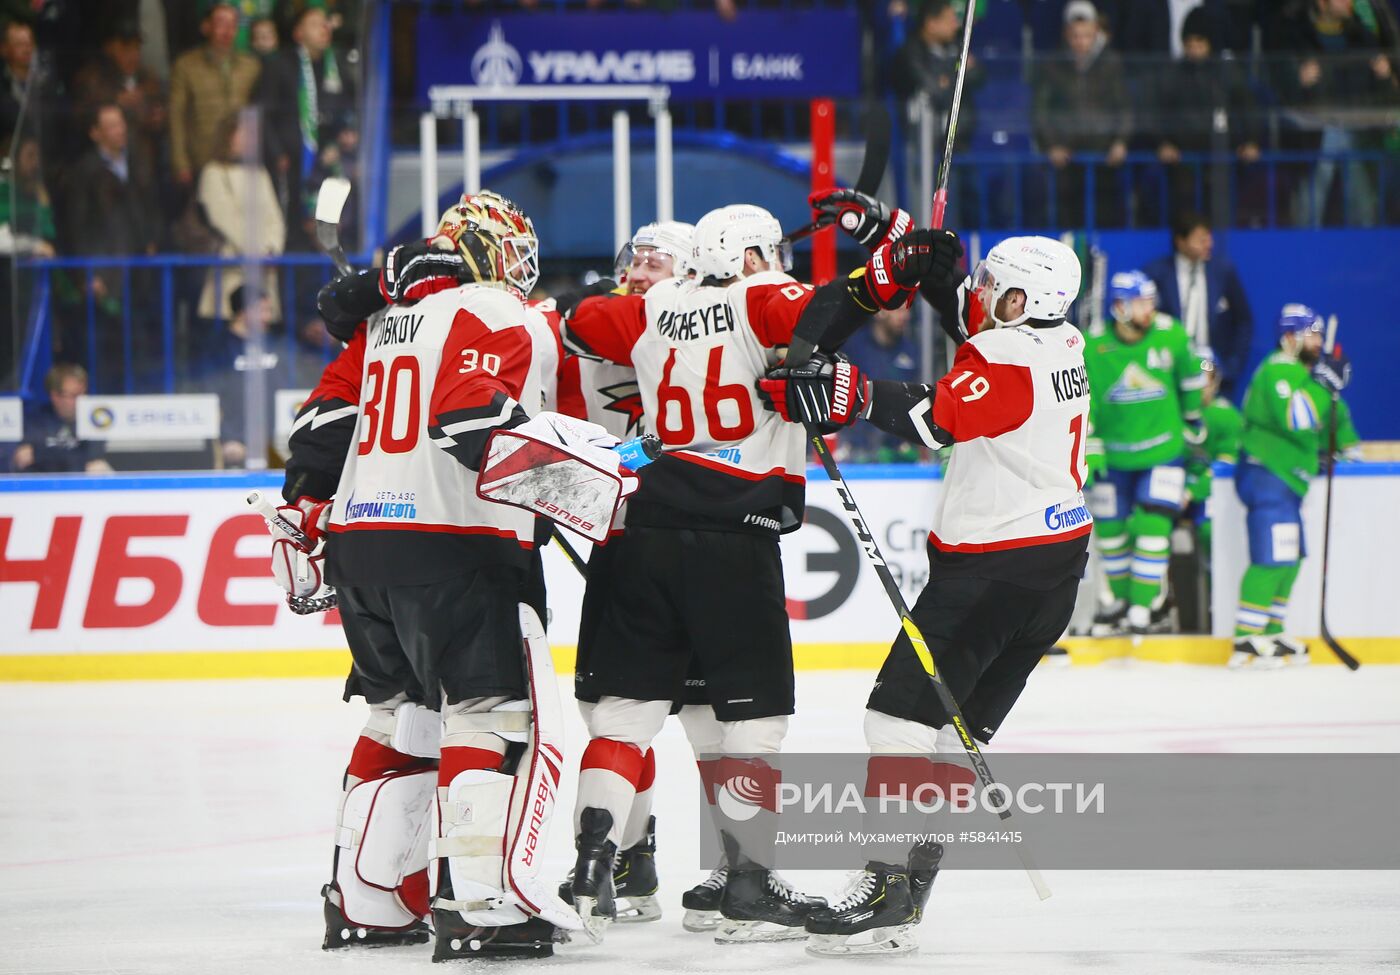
(1223, 426)
(464, 721)
(1287, 416)
(608, 395)
(1146, 411)
(1008, 545)
(699, 576)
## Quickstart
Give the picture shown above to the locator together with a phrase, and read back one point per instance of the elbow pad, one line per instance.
(906, 410)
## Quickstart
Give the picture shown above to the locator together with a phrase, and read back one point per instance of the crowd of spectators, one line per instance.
(1190, 84)
(120, 133)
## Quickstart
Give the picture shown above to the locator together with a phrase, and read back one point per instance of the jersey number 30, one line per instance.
(389, 387)
(676, 420)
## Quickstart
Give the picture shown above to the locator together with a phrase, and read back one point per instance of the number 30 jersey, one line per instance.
(397, 427)
(698, 351)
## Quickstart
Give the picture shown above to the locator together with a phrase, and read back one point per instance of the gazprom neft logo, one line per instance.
(1058, 517)
(496, 63)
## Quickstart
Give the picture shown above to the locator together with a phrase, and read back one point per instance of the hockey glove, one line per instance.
(414, 271)
(1332, 372)
(826, 392)
(298, 547)
(1095, 460)
(895, 270)
(863, 217)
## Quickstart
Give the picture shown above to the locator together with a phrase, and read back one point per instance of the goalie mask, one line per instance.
(495, 238)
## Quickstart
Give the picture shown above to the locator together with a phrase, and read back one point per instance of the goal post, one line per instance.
(459, 101)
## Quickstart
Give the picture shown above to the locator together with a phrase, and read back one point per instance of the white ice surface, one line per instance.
(184, 827)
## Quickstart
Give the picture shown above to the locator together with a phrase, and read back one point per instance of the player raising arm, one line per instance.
(1006, 551)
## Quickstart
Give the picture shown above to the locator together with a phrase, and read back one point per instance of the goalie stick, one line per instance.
(800, 350)
(872, 167)
(330, 203)
(1341, 652)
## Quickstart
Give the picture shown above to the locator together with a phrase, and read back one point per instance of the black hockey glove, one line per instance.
(895, 270)
(566, 301)
(421, 268)
(1332, 372)
(827, 392)
(863, 217)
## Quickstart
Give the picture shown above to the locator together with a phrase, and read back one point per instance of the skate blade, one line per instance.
(638, 909)
(594, 925)
(899, 940)
(701, 921)
(732, 932)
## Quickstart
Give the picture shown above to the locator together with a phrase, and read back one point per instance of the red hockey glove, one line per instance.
(299, 542)
(825, 392)
(414, 271)
(895, 270)
(863, 217)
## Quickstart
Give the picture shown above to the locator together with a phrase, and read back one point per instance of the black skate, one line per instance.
(634, 881)
(1111, 619)
(1267, 653)
(592, 886)
(535, 938)
(756, 905)
(876, 917)
(340, 933)
(701, 902)
(923, 871)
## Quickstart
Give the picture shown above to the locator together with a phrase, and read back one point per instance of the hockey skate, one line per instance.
(877, 916)
(1110, 620)
(592, 886)
(756, 905)
(634, 881)
(701, 902)
(1267, 653)
(535, 938)
(341, 933)
(923, 871)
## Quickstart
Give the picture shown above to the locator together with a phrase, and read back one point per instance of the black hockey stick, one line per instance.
(1351, 662)
(571, 553)
(872, 167)
(330, 203)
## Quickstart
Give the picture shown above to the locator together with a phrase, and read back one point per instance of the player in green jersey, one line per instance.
(1224, 426)
(1287, 417)
(1145, 384)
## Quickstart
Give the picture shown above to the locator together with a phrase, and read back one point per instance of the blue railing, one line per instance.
(179, 280)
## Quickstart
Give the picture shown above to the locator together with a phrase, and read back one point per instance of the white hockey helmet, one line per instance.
(723, 236)
(1045, 269)
(669, 237)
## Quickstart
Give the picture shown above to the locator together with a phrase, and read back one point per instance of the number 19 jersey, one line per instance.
(698, 351)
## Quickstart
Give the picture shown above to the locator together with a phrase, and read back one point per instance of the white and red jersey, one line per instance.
(544, 323)
(1016, 402)
(603, 393)
(698, 351)
(425, 384)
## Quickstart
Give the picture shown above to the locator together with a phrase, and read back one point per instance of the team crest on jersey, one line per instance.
(1136, 385)
(625, 399)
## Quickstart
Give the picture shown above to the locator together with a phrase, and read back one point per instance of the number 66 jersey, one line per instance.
(698, 350)
(407, 408)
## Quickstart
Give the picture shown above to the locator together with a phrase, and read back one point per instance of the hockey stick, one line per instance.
(330, 203)
(945, 168)
(801, 349)
(872, 167)
(571, 553)
(1351, 662)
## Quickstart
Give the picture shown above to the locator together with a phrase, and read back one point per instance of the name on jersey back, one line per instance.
(687, 326)
(398, 329)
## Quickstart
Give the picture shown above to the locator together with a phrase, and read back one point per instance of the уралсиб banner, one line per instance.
(763, 53)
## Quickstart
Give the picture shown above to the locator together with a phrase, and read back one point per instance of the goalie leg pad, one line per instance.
(382, 849)
(406, 727)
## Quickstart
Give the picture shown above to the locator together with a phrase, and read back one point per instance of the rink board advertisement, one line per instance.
(166, 564)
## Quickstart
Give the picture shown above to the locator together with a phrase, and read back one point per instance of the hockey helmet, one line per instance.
(1297, 318)
(1045, 269)
(495, 238)
(669, 237)
(1131, 285)
(723, 236)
